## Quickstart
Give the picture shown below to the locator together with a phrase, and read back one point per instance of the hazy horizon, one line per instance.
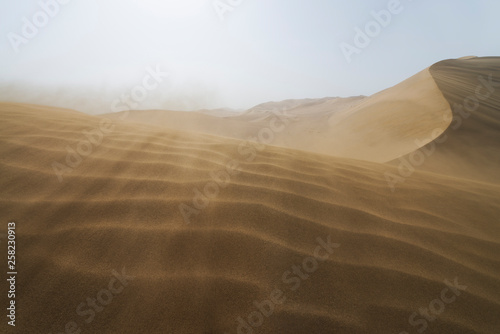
(88, 54)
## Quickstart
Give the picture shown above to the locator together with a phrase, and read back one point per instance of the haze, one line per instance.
(93, 51)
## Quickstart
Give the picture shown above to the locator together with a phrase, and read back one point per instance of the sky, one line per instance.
(88, 54)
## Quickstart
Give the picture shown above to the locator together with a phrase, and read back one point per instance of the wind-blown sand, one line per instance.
(119, 208)
(378, 128)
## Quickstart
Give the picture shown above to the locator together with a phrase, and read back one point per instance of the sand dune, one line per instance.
(119, 207)
(341, 127)
(470, 146)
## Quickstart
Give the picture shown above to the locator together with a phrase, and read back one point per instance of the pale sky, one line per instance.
(87, 53)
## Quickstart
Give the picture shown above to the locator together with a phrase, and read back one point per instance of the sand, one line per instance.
(341, 127)
(470, 146)
(119, 209)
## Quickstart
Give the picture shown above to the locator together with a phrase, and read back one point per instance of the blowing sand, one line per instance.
(378, 128)
(384, 257)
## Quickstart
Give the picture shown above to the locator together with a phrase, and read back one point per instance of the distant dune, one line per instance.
(341, 127)
(95, 194)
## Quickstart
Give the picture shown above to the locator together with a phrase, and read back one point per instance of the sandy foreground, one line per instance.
(371, 214)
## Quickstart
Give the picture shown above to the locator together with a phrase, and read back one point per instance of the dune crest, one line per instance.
(469, 148)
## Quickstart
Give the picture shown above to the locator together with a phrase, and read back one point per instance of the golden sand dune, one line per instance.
(129, 228)
(470, 147)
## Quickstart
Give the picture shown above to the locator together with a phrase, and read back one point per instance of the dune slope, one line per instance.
(119, 208)
(469, 148)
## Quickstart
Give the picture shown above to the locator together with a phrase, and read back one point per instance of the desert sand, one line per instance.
(340, 127)
(124, 206)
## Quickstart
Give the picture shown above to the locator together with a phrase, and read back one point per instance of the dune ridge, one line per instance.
(469, 146)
